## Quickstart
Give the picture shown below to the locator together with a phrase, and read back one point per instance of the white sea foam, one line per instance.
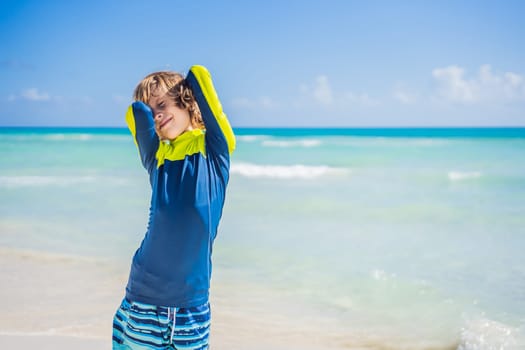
(86, 137)
(251, 138)
(458, 175)
(28, 181)
(485, 334)
(380, 275)
(61, 181)
(290, 143)
(65, 137)
(62, 137)
(297, 171)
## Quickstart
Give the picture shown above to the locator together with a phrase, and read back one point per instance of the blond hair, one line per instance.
(174, 85)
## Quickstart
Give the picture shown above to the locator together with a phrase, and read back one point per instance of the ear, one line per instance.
(194, 123)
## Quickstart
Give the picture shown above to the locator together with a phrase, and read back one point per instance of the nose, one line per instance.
(157, 116)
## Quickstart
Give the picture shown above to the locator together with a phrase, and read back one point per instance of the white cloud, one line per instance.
(33, 94)
(486, 86)
(319, 91)
(359, 98)
(452, 85)
(322, 92)
(514, 79)
(403, 95)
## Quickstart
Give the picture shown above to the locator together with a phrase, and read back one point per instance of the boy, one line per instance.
(184, 141)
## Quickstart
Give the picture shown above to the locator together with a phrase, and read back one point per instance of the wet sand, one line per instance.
(53, 301)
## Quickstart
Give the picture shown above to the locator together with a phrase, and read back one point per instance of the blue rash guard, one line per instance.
(188, 177)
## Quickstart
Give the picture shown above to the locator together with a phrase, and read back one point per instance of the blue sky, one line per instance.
(275, 63)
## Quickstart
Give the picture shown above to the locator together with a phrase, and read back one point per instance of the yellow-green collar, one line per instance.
(187, 143)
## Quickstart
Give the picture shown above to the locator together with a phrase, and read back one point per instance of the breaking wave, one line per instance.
(297, 171)
(61, 181)
(292, 143)
(485, 334)
(458, 175)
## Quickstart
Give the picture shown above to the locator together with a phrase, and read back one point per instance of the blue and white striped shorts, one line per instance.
(138, 326)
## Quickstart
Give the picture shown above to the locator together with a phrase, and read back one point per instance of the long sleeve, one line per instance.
(219, 134)
(139, 119)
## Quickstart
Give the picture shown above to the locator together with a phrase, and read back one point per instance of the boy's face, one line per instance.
(170, 120)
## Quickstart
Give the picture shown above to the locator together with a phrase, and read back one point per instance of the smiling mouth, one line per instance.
(163, 124)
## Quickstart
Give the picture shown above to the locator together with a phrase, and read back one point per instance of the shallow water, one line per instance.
(396, 234)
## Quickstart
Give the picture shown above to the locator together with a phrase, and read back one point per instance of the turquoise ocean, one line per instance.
(408, 237)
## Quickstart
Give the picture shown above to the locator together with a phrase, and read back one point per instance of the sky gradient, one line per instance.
(274, 63)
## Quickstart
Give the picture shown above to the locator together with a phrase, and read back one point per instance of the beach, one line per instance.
(372, 239)
(58, 302)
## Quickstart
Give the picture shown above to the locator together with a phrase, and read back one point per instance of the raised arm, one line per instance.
(219, 133)
(139, 118)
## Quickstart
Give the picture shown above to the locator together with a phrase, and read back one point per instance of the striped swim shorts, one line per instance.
(138, 326)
